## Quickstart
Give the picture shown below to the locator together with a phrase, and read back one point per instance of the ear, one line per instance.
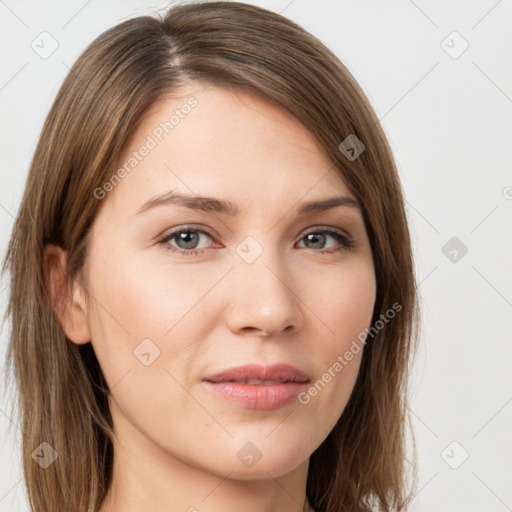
(69, 305)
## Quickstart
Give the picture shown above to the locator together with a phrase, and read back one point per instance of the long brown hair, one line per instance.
(62, 391)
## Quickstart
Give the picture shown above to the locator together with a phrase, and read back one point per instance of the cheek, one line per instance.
(144, 299)
(345, 306)
(147, 313)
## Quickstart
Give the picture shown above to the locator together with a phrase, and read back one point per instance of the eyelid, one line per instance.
(347, 241)
(204, 229)
(319, 227)
(192, 227)
(167, 236)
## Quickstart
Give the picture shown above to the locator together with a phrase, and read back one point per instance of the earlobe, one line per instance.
(69, 305)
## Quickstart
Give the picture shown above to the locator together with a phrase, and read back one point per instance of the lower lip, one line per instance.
(268, 397)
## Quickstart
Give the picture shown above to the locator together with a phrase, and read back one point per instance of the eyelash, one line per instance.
(346, 243)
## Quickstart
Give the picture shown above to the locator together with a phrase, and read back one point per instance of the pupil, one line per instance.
(317, 236)
(185, 237)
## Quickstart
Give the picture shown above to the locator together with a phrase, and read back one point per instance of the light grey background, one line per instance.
(449, 121)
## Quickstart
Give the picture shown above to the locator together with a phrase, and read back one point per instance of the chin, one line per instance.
(271, 458)
(264, 470)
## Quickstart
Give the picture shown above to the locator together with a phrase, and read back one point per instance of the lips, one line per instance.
(258, 387)
(260, 375)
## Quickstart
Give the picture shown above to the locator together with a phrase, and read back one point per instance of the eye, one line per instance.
(186, 240)
(318, 238)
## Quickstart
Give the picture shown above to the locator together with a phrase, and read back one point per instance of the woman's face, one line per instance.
(186, 288)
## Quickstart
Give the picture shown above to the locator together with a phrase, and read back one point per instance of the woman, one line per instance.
(213, 302)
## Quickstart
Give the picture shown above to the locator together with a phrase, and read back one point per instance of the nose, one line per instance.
(264, 300)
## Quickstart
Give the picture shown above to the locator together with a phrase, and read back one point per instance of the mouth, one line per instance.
(254, 382)
(258, 387)
(260, 375)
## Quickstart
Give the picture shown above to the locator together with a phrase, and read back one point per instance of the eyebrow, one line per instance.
(222, 206)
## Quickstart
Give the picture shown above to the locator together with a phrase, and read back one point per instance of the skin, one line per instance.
(177, 442)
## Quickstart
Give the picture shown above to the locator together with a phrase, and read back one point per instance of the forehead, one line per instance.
(213, 141)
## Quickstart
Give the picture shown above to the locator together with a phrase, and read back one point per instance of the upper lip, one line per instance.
(278, 372)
